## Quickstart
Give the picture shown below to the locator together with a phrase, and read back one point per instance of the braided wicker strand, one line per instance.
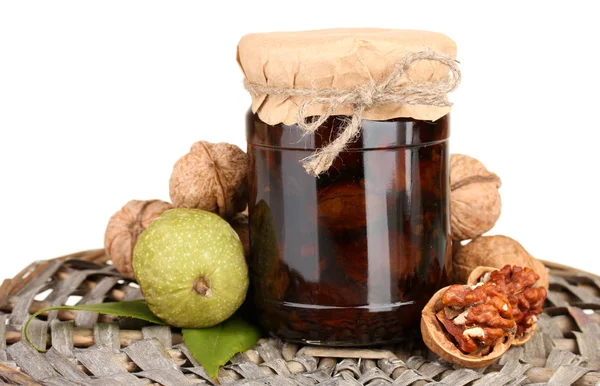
(87, 349)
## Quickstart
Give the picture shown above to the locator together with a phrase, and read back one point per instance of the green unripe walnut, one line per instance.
(190, 266)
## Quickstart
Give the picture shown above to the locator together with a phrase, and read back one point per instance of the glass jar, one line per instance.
(352, 256)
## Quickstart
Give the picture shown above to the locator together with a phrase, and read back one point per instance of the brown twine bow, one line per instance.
(361, 98)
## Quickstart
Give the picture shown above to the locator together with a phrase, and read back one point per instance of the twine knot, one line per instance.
(366, 95)
(433, 93)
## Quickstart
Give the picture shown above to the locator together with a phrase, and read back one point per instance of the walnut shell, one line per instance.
(212, 177)
(240, 225)
(478, 273)
(435, 338)
(475, 202)
(124, 228)
(496, 252)
(520, 341)
(475, 277)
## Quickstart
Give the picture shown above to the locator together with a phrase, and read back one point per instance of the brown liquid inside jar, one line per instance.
(351, 257)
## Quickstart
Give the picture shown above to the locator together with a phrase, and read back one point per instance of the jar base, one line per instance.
(350, 344)
(340, 326)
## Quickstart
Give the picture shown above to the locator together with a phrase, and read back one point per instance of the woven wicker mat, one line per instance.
(89, 349)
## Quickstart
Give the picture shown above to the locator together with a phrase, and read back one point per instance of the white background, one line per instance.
(98, 99)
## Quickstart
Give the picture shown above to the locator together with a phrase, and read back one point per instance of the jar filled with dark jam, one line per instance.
(349, 257)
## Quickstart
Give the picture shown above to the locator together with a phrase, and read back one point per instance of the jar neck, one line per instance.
(398, 132)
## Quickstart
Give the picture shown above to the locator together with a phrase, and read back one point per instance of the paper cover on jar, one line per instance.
(340, 59)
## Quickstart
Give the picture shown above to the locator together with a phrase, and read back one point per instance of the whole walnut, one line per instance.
(474, 198)
(239, 223)
(212, 177)
(496, 252)
(124, 228)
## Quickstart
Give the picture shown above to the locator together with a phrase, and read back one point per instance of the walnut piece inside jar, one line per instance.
(473, 325)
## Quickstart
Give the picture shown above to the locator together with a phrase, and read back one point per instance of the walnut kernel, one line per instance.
(472, 325)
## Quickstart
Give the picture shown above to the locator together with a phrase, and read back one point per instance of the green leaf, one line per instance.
(133, 309)
(213, 347)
